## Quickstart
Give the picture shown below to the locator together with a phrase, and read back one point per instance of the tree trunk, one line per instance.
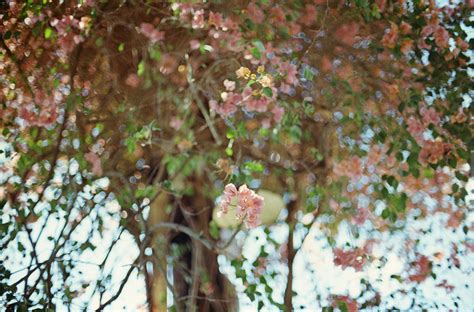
(288, 299)
(197, 283)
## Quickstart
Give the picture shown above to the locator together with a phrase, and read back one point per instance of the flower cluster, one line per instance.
(69, 31)
(149, 31)
(355, 258)
(258, 95)
(248, 204)
(433, 151)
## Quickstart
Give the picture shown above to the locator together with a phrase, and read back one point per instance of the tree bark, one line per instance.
(288, 299)
(197, 284)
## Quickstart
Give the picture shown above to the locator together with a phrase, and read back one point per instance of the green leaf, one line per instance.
(7, 35)
(254, 166)
(214, 229)
(259, 45)
(342, 306)
(155, 54)
(267, 91)
(148, 191)
(48, 32)
(167, 185)
(399, 203)
(453, 162)
(231, 134)
(256, 53)
(99, 42)
(141, 68)
(130, 143)
(250, 291)
(307, 74)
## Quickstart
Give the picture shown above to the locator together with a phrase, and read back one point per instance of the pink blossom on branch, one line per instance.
(255, 13)
(176, 123)
(95, 162)
(230, 191)
(355, 258)
(278, 112)
(248, 204)
(430, 116)
(391, 37)
(149, 31)
(433, 151)
(421, 268)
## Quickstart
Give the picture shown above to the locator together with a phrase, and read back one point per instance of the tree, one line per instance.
(183, 111)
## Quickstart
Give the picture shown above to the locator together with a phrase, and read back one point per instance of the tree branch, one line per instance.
(291, 220)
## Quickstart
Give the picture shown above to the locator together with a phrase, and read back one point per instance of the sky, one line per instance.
(315, 272)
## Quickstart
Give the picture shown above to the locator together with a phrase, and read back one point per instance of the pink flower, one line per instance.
(255, 13)
(421, 268)
(229, 106)
(230, 24)
(67, 43)
(198, 19)
(406, 46)
(351, 167)
(291, 72)
(149, 31)
(347, 33)
(326, 64)
(441, 36)
(213, 105)
(94, 160)
(247, 93)
(351, 304)
(132, 80)
(390, 38)
(405, 28)
(257, 105)
(216, 19)
(194, 44)
(176, 123)
(423, 45)
(381, 4)
(168, 64)
(249, 204)
(278, 15)
(355, 258)
(427, 30)
(229, 85)
(430, 116)
(230, 190)
(266, 123)
(227, 109)
(294, 28)
(278, 113)
(362, 215)
(433, 151)
(310, 15)
(416, 129)
(285, 88)
(463, 45)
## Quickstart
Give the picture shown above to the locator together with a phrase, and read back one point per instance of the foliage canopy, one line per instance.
(150, 119)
